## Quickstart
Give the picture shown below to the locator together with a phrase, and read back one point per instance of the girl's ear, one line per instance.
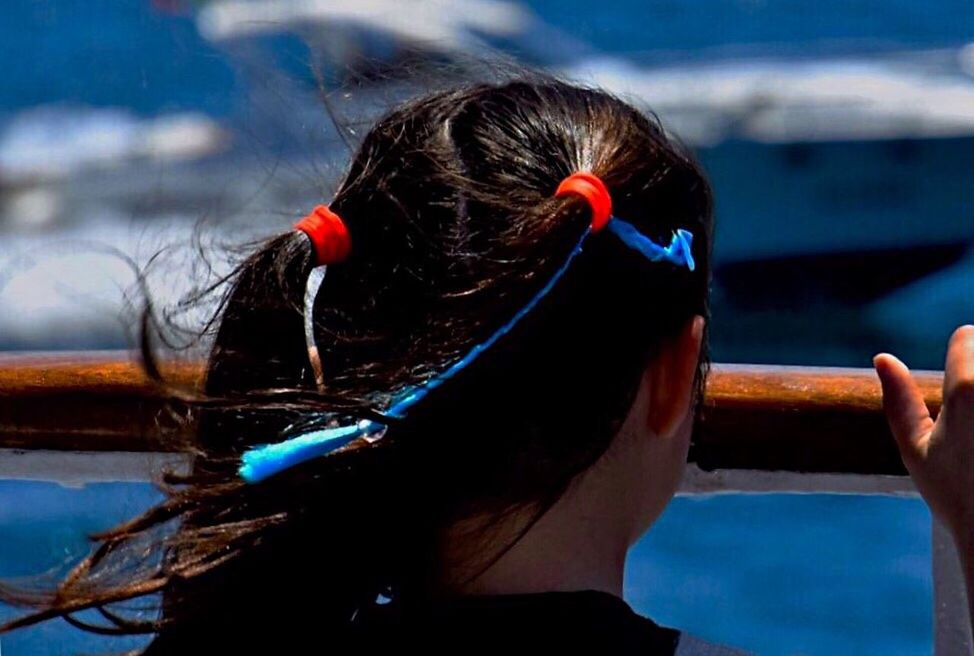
(671, 377)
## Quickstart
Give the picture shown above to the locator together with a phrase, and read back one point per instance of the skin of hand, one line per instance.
(938, 454)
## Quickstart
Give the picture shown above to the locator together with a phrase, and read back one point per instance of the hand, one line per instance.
(938, 454)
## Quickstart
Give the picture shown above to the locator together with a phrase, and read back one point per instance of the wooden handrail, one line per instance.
(801, 419)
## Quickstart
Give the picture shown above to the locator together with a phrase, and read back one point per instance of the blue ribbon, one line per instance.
(262, 462)
(679, 251)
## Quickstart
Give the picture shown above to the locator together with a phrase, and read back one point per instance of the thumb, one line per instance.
(907, 413)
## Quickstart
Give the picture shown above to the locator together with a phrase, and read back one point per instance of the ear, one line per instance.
(670, 379)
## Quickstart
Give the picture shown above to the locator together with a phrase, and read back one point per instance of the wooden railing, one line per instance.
(768, 418)
(78, 417)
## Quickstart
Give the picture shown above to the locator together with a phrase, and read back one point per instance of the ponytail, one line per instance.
(262, 348)
(260, 343)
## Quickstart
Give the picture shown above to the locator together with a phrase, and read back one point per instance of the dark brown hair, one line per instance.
(450, 205)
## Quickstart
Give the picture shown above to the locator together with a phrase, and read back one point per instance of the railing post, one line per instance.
(951, 620)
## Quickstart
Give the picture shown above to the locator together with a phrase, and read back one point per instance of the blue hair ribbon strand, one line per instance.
(262, 462)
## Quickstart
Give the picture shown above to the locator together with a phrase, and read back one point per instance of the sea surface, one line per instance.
(776, 574)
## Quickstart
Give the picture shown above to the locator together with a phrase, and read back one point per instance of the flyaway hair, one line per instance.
(492, 330)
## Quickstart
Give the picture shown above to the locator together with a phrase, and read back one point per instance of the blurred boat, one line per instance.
(869, 154)
(838, 179)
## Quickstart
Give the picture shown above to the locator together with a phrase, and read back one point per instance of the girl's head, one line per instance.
(450, 203)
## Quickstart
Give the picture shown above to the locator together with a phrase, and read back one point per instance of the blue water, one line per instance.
(813, 574)
(45, 528)
(749, 26)
(124, 52)
(109, 53)
(802, 574)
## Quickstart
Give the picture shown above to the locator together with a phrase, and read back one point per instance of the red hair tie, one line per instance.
(328, 233)
(590, 187)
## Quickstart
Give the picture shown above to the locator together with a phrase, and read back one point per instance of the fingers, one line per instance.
(959, 369)
(907, 413)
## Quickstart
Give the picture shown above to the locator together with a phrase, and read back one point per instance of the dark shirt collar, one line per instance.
(585, 619)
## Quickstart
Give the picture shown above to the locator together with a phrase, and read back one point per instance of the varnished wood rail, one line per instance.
(772, 418)
(801, 419)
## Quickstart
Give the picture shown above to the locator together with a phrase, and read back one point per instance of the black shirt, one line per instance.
(548, 622)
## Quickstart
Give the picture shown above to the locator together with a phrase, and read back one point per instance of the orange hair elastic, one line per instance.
(328, 234)
(590, 187)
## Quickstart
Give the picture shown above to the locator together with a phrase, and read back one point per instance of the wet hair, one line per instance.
(450, 204)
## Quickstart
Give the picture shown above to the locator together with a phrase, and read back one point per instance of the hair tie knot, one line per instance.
(590, 187)
(328, 234)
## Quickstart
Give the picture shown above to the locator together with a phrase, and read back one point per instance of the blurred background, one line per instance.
(140, 138)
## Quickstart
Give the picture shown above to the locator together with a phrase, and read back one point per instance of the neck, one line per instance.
(553, 557)
(580, 543)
